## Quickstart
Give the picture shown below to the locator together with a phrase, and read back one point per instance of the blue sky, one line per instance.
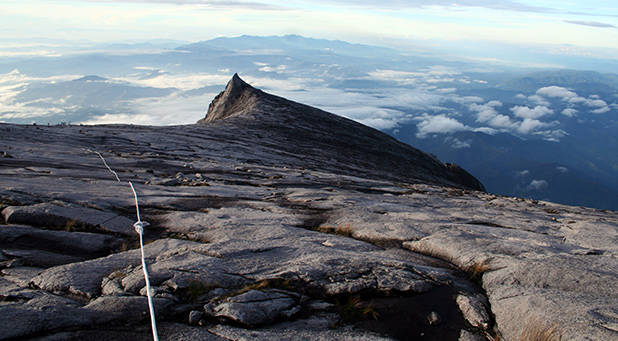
(586, 28)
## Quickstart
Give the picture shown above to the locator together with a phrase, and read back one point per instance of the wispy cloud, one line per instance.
(254, 5)
(562, 169)
(498, 5)
(431, 74)
(590, 23)
(537, 185)
(457, 143)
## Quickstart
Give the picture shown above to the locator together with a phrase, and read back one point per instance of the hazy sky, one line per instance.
(591, 23)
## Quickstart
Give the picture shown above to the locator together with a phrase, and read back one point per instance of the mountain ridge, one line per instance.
(346, 141)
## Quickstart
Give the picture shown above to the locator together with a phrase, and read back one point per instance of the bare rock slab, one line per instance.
(64, 242)
(256, 307)
(55, 216)
(474, 310)
(85, 278)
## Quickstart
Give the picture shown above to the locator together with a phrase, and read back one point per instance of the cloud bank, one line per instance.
(598, 105)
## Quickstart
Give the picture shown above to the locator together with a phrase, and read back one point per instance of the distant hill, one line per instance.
(288, 44)
(585, 81)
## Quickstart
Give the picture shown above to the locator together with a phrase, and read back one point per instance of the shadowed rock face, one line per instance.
(238, 98)
(334, 142)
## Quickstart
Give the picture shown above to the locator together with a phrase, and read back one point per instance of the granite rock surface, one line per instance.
(260, 231)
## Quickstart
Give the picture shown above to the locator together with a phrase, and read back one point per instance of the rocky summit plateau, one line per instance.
(270, 219)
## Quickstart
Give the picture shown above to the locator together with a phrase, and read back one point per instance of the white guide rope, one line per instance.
(111, 170)
(139, 228)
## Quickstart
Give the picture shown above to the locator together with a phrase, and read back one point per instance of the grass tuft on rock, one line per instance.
(197, 289)
(539, 331)
(342, 230)
(353, 309)
(476, 270)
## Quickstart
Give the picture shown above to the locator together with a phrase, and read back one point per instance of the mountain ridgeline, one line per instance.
(326, 141)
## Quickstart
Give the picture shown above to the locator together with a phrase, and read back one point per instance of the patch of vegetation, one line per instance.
(353, 309)
(476, 270)
(455, 192)
(197, 289)
(342, 230)
(539, 331)
(129, 245)
(6, 202)
(491, 337)
(93, 206)
(188, 236)
(117, 274)
(275, 283)
(77, 226)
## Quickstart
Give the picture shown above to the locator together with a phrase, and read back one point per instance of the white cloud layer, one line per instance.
(529, 125)
(14, 83)
(531, 113)
(556, 92)
(570, 112)
(572, 98)
(485, 112)
(439, 124)
(185, 82)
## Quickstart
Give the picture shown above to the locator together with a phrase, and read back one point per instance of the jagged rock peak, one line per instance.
(327, 141)
(238, 97)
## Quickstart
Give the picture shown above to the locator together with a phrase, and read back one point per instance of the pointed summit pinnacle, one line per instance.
(238, 97)
(236, 82)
